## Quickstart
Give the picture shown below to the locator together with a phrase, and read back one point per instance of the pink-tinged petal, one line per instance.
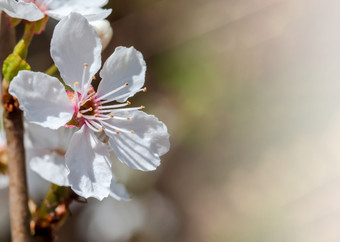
(21, 10)
(89, 163)
(45, 152)
(118, 191)
(42, 98)
(90, 13)
(125, 65)
(73, 44)
(142, 148)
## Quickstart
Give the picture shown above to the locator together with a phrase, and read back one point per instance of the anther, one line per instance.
(86, 110)
(142, 107)
(96, 115)
(76, 84)
(111, 116)
(132, 132)
(145, 89)
(117, 132)
(79, 115)
(128, 103)
(86, 65)
(126, 84)
(128, 118)
(94, 78)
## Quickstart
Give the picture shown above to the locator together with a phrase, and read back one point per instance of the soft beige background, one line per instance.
(250, 91)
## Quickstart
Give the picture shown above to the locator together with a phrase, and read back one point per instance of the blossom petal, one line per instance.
(125, 65)
(73, 44)
(45, 151)
(89, 163)
(118, 191)
(142, 148)
(84, 3)
(104, 31)
(4, 181)
(21, 10)
(91, 3)
(48, 139)
(51, 167)
(90, 13)
(42, 98)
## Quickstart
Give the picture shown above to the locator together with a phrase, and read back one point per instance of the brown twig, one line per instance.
(18, 195)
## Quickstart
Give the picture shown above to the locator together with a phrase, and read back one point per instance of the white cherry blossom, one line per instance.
(136, 138)
(33, 10)
(45, 153)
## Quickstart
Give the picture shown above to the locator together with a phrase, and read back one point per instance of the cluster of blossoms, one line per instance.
(33, 10)
(71, 129)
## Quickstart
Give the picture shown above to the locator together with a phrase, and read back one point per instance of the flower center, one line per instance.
(89, 108)
(84, 107)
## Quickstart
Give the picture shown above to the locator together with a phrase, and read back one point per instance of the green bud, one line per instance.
(12, 65)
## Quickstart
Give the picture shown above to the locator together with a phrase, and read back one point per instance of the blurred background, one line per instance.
(250, 92)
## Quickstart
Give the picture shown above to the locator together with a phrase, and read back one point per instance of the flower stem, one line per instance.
(21, 48)
(51, 70)
(52, 213)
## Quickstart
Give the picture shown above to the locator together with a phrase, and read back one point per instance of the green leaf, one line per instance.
(12, 65)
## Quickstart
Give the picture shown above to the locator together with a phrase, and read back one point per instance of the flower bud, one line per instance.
(104, 31)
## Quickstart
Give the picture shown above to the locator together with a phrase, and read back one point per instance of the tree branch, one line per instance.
(18, 195)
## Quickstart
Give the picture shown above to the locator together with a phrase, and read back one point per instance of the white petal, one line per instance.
(83, 3)
(48, 139)
(4, 181)
(51, 167)
(125, 65)
(88, 161)
(21, 10)
(2, 132)
(142, 149)
(104, 31)
(42, 98)
(73, 44)
(45, 151)
(91, 3)
(118, 191)
(90, 13)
